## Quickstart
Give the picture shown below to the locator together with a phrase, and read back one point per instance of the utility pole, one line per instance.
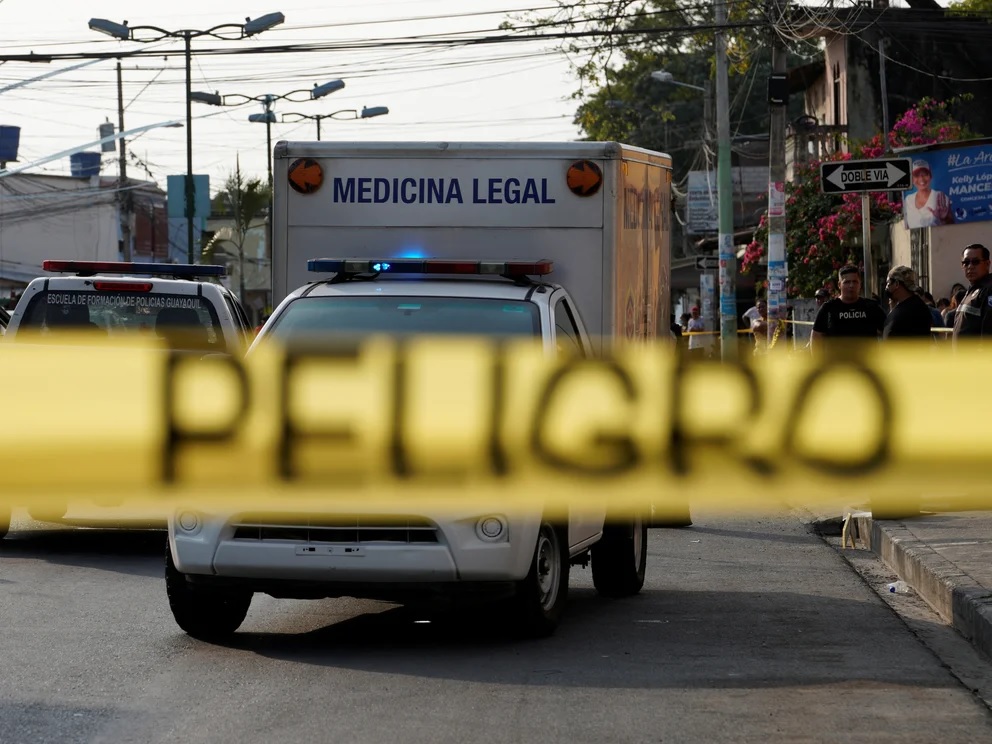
(725, 194)
(708, 281)
(778, 100)
(123, 190)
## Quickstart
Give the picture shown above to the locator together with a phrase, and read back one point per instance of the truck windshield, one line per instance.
(403, 316)
(183, 321)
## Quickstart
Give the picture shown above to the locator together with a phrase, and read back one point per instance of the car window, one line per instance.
(184, 321)
(363, 316)
(238, 313)
(567, 336)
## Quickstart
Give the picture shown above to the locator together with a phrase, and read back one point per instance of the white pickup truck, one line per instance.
(176, 303)
(567, 243)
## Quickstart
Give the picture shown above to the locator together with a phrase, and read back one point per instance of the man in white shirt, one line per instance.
(697, 343)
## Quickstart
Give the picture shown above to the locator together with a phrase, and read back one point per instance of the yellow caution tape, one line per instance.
(434, 423)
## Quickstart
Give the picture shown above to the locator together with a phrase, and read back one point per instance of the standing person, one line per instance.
(848, 316)
(910, 316)
(972, 318)
(926, 207)
(953, 307)
(753, 313)
(936, 319)
(697, 343)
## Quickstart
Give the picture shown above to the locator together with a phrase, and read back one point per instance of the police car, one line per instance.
(172, 302)
(217, 562)
(175, 303)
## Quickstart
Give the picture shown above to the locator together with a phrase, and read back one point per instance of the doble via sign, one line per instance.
(854, 176)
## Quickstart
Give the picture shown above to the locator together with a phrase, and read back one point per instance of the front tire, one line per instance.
(619, 559)
(203, 612)
(541, 597)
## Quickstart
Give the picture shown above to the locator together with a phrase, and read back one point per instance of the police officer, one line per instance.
(848, 316)
(972, 318)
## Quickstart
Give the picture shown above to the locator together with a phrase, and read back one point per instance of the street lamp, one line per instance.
(250, 27)
(663, 76)
(268, 116)
(367, 112)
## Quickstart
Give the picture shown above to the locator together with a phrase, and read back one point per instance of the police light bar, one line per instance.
(87, 268)
(428, 266)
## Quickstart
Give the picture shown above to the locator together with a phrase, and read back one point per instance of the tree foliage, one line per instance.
(629, 39)
(981, 8)
(246, 200)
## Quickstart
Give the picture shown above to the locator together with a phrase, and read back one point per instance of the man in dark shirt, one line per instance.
(848, 316)
(973, 318)
(911, 315)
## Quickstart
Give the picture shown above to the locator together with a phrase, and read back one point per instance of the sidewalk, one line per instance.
(946, 558)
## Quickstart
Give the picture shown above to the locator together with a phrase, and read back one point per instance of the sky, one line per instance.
(490, 92)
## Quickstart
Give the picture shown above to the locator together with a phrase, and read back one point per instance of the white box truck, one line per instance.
(565, 242)
(600, 211)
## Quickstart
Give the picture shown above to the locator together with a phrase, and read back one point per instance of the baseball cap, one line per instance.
(905, 276)
(921, 165)
(695, 309)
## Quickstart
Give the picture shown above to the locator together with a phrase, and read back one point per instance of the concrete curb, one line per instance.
(954, 595)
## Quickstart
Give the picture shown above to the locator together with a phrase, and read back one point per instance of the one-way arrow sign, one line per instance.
(853, 176)
(707, 263)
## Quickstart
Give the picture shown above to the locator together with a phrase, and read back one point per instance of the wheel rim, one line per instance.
(548, 559)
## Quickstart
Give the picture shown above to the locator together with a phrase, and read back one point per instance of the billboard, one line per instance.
(750, 193)
(950, 186)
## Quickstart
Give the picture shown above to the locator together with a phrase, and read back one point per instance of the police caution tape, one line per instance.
(436, 422)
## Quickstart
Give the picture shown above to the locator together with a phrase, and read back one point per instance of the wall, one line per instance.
(902, 254)
(946, 244)
(835, 61)
(54, 217)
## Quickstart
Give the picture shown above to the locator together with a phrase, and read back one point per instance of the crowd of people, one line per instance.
(904, 311)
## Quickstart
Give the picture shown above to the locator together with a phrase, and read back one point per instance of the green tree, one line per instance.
(982, 8)
(247, 200)
(620, 42)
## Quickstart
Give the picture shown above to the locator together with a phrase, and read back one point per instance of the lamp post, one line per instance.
(367, 112)
(268, 116)
(124, 32)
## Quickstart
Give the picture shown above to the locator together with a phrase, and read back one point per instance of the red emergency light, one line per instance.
(123, 286)
(88, 268)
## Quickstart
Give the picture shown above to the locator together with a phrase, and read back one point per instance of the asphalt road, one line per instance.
(748, 630)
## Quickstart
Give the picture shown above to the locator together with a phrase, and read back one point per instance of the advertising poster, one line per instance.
(950, 186)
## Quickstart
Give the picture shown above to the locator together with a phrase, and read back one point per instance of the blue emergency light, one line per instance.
(88, 268)
(428, 266)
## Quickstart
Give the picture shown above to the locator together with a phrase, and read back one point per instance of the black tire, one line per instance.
(619, 560)
(540, 598)
(206, 613)
(4, 521)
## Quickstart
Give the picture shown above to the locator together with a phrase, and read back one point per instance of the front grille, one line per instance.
(345, 529)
